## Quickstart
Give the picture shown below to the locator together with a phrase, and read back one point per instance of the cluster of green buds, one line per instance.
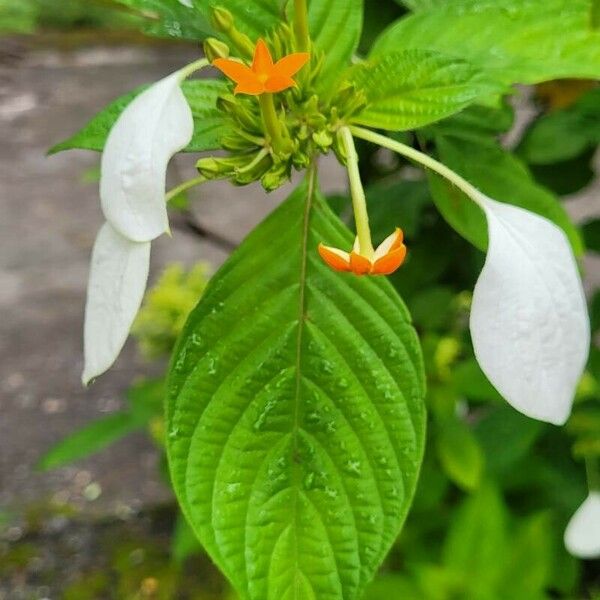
(271, 137)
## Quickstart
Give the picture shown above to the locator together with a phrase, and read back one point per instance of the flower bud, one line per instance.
(214, 48)
(222, 20)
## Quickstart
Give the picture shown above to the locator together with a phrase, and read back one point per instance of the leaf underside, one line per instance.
(209, 123)
(295, 413)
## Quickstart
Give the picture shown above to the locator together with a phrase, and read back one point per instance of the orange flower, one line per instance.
(388, 257)
(264, 76)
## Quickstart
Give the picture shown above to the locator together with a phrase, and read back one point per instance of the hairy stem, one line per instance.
(186, 185)
(271, 121)
(419, 157)
(193, 67)
(359, 201)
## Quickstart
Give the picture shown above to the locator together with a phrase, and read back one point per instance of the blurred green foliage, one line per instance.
(29, 16)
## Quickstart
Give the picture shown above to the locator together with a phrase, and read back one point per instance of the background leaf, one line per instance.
(169, 18)
(209, 123)
(88, 440)
(459, 453)
(499, 175)
(563, 134)
(295, 413)
(256, 18)
(412, 88)
(335, 27)
(519, 41)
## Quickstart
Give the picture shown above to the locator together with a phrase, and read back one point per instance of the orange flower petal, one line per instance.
(235, 70)
(390, 262)
(262, 65)
(252, 88)
(336, 259)
(391, 243)
(359, 264)
(289, 65)
(279, 84)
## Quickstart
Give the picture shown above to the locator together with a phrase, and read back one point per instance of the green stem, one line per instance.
(421, 158)
(271, 121)
(359, 201)
(301, 25)
(193, 67)
(186, 185)
(592, 467)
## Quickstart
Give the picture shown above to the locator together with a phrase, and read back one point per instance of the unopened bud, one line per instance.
(323, 140)
(276, 177)
(214, 48)
(222, 19)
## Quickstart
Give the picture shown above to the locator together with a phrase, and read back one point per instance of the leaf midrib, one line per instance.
(312, 176)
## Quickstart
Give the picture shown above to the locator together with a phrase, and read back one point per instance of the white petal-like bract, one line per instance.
(187, 3)
(582, 537)
(529, 321)
(118, 277)
(152, 128)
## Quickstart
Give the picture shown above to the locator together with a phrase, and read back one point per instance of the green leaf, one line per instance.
(460, 454)
(412, 88)
(416, 5)
(169, 18)
(529, 568)
(520, 41)
(89, 440)
(399, 203)
(295, 413)
(591, 234)
(335, 27)
(255, 19)
(476, 543)
(563, 134)
(202, 94)
(499, 175)
(506, 436)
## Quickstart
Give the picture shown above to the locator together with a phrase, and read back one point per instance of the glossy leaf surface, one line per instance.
(295, 413)
(412, 88)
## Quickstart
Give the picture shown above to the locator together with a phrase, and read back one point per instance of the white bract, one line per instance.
(154, 126)
(187, 3)
(582, 537)
(529, 320)
(157, 124)
(118, 277)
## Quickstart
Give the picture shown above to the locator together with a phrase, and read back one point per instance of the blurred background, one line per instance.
(93, 517)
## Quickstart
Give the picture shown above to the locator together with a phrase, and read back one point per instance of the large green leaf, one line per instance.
(209, 123)
(523, 41)
(412, 88)
(498, 174)
(169, 18)
(295, 413)
(335, 27)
